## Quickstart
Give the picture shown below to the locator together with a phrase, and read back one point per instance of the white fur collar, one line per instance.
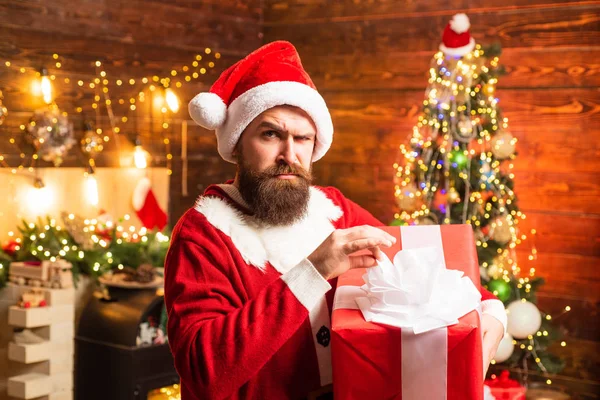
(283, 247)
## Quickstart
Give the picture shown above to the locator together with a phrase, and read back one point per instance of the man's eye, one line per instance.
(270, 134)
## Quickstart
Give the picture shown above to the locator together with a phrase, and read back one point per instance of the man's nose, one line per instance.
(287, 153)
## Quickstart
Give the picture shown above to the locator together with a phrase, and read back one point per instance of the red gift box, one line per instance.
(367, 358)
(504, 388)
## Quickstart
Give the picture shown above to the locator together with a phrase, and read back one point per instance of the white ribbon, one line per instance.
(416, 291)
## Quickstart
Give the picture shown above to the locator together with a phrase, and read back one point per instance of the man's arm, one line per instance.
(218, 339)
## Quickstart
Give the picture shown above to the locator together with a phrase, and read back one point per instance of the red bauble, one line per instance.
(10, 247)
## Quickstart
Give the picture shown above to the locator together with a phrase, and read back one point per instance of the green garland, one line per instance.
(93, 248)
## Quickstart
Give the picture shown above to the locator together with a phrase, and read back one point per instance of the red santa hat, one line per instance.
(270, 76)
(457, 40)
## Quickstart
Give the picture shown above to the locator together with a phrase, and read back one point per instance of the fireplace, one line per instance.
(114, 357)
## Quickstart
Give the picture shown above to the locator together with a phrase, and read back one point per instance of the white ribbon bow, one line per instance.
(417, 292)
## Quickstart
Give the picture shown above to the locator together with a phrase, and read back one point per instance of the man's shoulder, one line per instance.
(332, 193)
(194, 223)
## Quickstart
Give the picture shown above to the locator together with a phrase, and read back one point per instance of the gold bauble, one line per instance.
(407, 199)
(453, 195)
(501, 230)
(493, 271)
(488, 89)
(503, 144)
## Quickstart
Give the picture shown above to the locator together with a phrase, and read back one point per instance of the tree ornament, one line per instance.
(464, 132)
(11, 247)
(503, 145)
(488, 89)
(500, 288)
(458, 158)
(51, 133)
(524, 319)
(493, 271)
(501, 230)
(453, 195)
(440, 199)
(505, 348)
(92, 143)
(486, 174)
(407, 199)
(3, 109)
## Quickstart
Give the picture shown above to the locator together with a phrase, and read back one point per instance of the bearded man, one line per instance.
(252, 267)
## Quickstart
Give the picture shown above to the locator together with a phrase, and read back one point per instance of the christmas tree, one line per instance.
(457, 170)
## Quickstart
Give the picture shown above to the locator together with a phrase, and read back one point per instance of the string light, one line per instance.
(140, 156)
(172, 100)
(43, 86)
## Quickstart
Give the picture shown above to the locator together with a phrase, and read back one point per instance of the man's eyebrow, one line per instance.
(267, 124)
(270, 125)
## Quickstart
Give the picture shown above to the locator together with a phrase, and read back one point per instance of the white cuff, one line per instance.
(495, 308)
(306, 283)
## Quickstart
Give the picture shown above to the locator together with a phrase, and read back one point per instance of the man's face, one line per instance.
(274, 156)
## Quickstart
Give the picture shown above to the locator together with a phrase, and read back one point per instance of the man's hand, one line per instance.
(332, 259)
(493, 332)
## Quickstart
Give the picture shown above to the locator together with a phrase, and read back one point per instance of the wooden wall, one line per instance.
(370, 59)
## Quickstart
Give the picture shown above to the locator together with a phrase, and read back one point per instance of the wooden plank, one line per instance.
(572, 233)
(251, 8)
(567, 274)
(554, 191)
(31, 49)
(211, 169)
(570, 27)
(293, 12)
(575, 322)
(525, 68)
(138, 22)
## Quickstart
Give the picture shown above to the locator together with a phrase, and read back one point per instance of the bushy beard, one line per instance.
(274, 201)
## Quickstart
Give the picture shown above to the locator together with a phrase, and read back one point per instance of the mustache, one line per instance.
(287, 169)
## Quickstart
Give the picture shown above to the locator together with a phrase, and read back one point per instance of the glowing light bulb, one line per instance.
(172, 100)
(46, 87)
(91, 189)
(39, 198)
(140, 156)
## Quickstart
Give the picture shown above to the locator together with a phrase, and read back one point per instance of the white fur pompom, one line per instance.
(208, 110)
(460, 23)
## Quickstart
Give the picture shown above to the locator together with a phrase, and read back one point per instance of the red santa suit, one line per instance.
(249, 315)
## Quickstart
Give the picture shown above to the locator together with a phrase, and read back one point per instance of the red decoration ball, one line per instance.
(43, 303)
